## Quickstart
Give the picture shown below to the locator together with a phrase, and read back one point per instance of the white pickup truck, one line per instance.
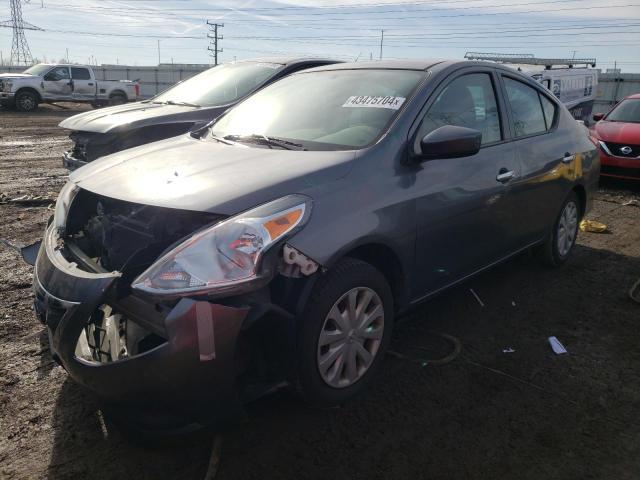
(48, 83)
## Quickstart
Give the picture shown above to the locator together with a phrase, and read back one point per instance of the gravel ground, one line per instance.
(528, 414)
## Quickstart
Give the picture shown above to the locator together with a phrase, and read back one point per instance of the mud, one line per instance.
(529, 414)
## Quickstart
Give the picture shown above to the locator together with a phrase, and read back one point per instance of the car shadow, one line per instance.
(506, 407)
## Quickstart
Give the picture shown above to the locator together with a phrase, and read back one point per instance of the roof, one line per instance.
(288, 60)
(413, 64)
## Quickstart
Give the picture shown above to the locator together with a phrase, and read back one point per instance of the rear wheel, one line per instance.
(26, 101)
(117, 99)
(343, 333)
(558, 247)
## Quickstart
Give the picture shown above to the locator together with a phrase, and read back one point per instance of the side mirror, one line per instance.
(598, 116)
(450, 141)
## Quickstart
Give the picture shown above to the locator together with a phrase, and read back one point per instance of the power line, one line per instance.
(519, 12)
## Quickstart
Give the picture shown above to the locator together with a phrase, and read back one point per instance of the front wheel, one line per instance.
(556, 250)
(26, 101)
(343, 333)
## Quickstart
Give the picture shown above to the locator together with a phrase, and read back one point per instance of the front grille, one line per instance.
(623, 149)
(88, 146)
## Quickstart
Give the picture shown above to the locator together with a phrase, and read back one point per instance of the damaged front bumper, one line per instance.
(70, 162)
(185, 376)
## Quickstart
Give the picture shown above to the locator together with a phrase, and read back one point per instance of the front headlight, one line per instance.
(65, 197)
(230, 256)
(7, 86)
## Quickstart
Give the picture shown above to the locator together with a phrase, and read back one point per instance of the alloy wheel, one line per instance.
(567, 228)
(350, 337)
(26, 102)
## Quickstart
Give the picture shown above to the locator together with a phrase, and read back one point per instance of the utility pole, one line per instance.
(213, 40)
(158, 51)
(67, 54)
(381, 41)
(20, 52)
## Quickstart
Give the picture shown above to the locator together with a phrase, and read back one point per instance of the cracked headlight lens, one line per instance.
(227, 258)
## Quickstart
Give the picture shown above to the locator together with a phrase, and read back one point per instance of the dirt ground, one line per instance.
(529, 414)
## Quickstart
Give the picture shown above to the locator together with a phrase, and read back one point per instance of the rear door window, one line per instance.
(468, 101)
(526, 107)
(80, 73)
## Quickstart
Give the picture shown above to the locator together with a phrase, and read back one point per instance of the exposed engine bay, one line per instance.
(115, 235)
(124, 236)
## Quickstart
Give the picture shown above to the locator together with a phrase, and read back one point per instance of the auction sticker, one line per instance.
(392, 103)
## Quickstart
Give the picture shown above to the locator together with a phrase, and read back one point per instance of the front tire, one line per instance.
(26, 101)
(559, 245)
(343, 333)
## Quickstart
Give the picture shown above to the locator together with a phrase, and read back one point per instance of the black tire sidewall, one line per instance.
(346, 275)
(116, 100)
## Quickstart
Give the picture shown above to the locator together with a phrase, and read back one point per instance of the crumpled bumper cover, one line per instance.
(71, 163)
(188, 379)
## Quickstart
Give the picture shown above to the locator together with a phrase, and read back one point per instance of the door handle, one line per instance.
(90, 84)
(568, 158)
(505, 175)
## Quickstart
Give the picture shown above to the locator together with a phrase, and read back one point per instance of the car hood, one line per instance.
(129, 115)
(15, 75)
(191, 174)
(618, 132)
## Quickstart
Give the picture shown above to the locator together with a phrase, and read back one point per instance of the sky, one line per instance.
(127, 31)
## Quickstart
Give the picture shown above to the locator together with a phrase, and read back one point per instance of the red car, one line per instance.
(617, 135)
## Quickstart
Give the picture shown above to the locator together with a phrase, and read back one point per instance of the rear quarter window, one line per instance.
(529, 117)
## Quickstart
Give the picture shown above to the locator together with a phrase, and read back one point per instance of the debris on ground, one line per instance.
(634, 292)
(557, 347)
(592, 226)
(632, 203)
(508, 350)
(477, 297)
(32, 200)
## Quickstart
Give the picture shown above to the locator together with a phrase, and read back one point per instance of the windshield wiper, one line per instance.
(173, 102)
(264, 140)
(219, 139)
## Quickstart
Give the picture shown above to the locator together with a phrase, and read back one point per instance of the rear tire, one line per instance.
(559, 245)
(117, 99)
(358, 295)
(26, 101)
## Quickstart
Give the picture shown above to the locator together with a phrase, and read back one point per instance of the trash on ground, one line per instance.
(31, 200)
(634, 292)
(592, 226)
(477, 297)
(508, 350)
(633, 202)
(557, 347)
(513, 303)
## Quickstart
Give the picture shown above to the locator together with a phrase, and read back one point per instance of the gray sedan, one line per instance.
(183, 278)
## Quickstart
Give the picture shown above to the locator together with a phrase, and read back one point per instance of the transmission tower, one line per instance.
(213, 40)
(20, 52)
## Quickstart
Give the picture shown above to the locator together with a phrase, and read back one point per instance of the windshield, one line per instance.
(220, 85)
(325, 110)
(38, 70)
(627, 111)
